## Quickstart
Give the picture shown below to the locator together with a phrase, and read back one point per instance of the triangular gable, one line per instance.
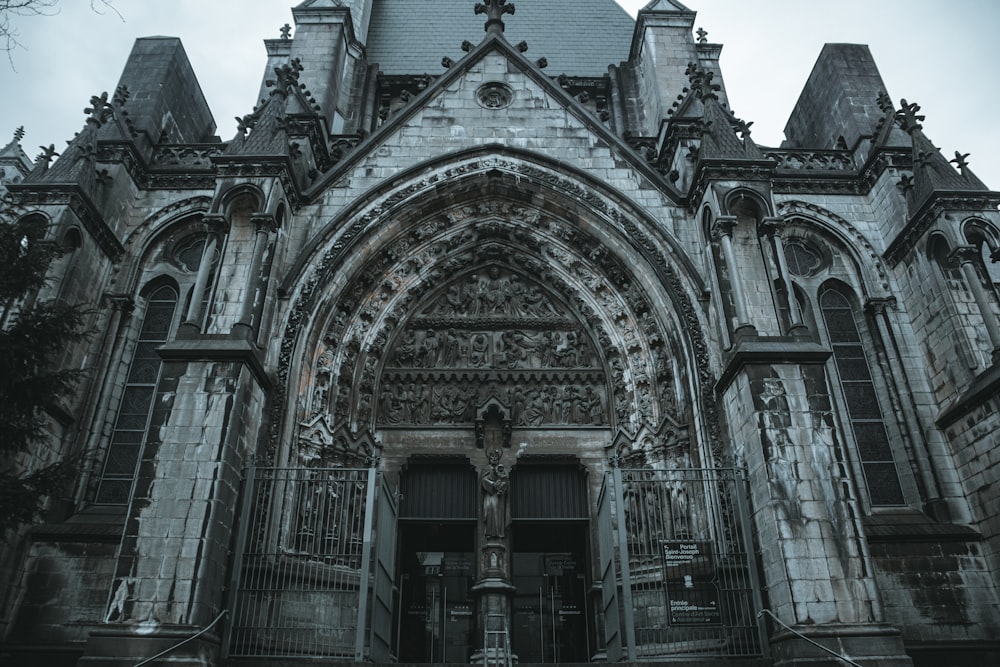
(665, 6)
(448, 82)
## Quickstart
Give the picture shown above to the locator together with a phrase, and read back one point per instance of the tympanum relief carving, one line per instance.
(493, 333)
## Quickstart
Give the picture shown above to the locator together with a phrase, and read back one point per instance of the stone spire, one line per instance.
(932, 172)
(723, 135)
(14, 162)
(494, 10)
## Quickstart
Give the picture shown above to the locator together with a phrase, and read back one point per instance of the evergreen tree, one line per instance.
(33, 335)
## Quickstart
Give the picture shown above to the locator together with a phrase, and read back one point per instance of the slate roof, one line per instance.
(577, 37)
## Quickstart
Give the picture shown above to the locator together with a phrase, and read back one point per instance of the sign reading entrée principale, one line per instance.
(689, 573)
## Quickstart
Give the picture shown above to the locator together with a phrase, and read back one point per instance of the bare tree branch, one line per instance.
(12, 10)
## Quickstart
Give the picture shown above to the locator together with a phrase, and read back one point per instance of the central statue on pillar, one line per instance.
(495, 484)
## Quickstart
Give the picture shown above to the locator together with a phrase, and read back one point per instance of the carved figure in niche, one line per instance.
(406, 349)
(385, 405)
(420, 403)
(554, 406)
(515, 296)
(429, 354)
(364, 408)
(473, 299)
(325, 362)
(320, 392)
(551, 340)
(595, 406)
(494, 482)
(577, 405)
(479, 350)
(567, 352)
(453, 301)
(399, 410)
(494, 290)
(534, 409)
(536, 304)
(514, 347)
(451, 352)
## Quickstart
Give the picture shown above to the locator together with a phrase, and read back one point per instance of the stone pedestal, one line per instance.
(494, 592)
(874, 645)
(125, 647)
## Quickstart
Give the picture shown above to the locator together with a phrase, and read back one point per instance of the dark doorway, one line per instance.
(549, 562)
(437, 565)
(437, 571)
(549, 568)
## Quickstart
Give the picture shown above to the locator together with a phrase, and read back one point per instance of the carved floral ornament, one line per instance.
(363, 304)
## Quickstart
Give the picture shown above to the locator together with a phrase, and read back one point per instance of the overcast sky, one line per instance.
(942, 54)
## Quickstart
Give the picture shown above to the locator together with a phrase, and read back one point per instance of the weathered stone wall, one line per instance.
(65, 591)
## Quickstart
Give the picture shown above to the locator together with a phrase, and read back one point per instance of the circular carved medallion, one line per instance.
(494, 95)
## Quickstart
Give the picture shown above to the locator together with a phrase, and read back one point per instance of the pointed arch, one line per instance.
(619, 275)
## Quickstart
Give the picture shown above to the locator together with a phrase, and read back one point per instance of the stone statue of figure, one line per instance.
(495, 483)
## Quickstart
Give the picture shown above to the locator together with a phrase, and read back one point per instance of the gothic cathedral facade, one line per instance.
(455, 354)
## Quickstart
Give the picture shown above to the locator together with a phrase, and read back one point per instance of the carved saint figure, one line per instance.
(494, 482)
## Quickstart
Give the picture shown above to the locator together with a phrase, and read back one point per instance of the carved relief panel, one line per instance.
(493, 333)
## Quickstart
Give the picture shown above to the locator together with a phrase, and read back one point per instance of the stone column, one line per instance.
(775, 228)
(264, 225)
(193, 315)
(966, 257)
(940, 483)
(722, 233)
(494, 586)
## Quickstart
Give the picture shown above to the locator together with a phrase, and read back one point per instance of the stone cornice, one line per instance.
(73, 197)
(756, 351)
(985, 387)
(937, 204)
(219, 348)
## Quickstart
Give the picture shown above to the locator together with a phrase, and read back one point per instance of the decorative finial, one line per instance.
(701, 82)
(286, 77)
(286, 31)
(121, 96)
(885, 102)
(907, 116)
(99, 109)
(18, 134)
(743, 127)
(702, 35)
(905, 183)
(960, 161)
(47, 154)
(245, 123)
(494, 9)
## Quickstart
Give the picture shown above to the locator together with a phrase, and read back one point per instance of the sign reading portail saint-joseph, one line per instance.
(689, 573)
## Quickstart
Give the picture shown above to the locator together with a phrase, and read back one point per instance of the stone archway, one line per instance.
(505, 328)
(494, 300)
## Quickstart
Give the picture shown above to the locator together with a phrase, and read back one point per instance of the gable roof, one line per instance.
(579, 38)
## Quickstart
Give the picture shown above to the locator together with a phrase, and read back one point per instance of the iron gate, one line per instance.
(302, 583)
(383, 597)
(684, 580)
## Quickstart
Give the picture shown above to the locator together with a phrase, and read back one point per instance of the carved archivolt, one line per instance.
(492, 300)
(495, 301)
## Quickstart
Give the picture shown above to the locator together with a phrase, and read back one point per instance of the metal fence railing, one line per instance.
(687, 584)
(302, 579)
